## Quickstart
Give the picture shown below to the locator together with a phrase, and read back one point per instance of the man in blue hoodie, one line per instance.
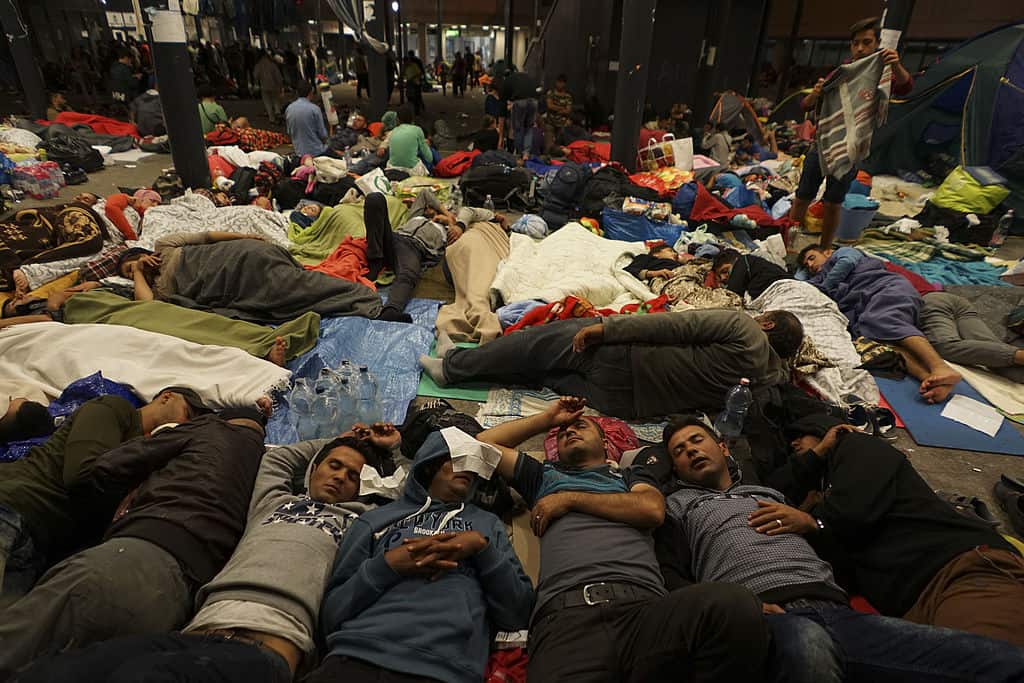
(603, 613)
(419, 584)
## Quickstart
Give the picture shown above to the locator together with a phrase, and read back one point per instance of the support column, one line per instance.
(631, 85)
(755, 71)
(421, 39)
(509, 33)
(173, 68)
(24, 59)
(440, 34)
(377, 64)
(787, 64)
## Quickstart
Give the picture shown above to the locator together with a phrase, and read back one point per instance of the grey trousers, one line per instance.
(959, 334)
(124, 586)
(543, 356)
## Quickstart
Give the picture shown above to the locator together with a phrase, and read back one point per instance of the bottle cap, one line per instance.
(745, 381)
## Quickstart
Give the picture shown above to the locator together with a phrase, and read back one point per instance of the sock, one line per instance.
(435, 368)
(392, 314)
(444, 344)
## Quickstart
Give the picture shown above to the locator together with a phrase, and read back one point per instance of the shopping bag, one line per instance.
(667, 153)
(374, 181)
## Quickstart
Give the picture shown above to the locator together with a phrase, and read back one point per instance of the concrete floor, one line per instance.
(965, 472)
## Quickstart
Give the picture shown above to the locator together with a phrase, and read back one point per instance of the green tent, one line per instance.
(969, 105)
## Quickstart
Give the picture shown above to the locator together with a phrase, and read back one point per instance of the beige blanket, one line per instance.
(473, 261)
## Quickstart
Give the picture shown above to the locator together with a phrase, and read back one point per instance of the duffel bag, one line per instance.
(68, 149)
(509, 188)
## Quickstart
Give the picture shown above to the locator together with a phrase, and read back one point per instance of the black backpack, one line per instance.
(563, 195)
(244, 178)
(509, 188)
(494, 157)
(611, 182)
(74, 151)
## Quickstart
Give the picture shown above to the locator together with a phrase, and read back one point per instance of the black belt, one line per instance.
(593, 594)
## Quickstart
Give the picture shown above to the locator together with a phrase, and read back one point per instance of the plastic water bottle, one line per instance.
(456, 198)
(367, 400)
(346, 405)
(729, 422)
(346, 371)
(325, 404)
(300, 406)
(489, 203)
(1002, 230)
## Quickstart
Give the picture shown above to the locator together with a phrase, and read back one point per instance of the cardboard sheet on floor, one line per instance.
(474, 391)
(391, 351)
(925, 422)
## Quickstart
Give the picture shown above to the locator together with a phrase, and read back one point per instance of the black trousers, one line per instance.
(166, 658)
(543, 356)
(338, 669)
(706, 632)
(386, 249)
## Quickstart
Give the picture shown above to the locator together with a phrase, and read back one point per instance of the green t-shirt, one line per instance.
(407, 145)
(38, 487)
(210, 114)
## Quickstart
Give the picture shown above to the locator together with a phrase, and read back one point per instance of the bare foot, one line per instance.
(276, 355)
(21, 285)
(936, 387)
(266, 405)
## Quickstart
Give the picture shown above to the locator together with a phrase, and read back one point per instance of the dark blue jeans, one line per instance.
(20, 564)
(824, 642)
(171, 658)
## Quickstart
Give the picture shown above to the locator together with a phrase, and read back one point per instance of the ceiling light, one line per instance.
(394, 5)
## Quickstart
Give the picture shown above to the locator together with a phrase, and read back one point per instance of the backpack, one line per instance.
(509, 188)
(455, 164)
(495, 157)
(610, 181)
(564, 192)
(244, 179)
(169, 185)
(72, 150)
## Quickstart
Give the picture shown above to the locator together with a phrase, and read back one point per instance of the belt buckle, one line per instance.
(586, 594)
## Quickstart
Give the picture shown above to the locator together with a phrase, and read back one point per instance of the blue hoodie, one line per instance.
(439, 629)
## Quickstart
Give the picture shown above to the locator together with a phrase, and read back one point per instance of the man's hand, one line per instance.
(149, 262)
(405, 563)
(775, 518)
(771, 608)
(383, 435)
(818, 87)
(890, 57)
(501, 219)
(445, 551)
(454, 233)
(591, 335)
(548, 509)
(664, 272)
(831, 438)
(565, 410)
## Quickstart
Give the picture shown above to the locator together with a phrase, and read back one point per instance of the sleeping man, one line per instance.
(881, 306)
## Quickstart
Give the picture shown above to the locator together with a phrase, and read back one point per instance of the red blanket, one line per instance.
(99, 124)
(706, 207)
(348, 262)
(573, 307)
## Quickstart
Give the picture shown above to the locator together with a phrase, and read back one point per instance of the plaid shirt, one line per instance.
(104, 265)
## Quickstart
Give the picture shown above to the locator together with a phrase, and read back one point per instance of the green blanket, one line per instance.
(918, 247)
(312, 245)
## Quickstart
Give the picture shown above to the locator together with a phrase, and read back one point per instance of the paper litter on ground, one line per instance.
(974, 414)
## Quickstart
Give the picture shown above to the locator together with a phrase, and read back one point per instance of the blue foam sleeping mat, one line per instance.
(925, 423)
(390, 350)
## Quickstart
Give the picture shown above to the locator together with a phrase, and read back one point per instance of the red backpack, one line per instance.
(455, 164)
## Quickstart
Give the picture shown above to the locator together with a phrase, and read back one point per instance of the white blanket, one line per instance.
(571, 262)
(37, 361)
(826, 327)
(195, 213)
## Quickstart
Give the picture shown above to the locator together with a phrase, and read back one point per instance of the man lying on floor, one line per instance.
(414, 246)
(721, 529)
(188, 490)
(897, 543)
(240, 276)
(881, 306)
(603, 612)
(257, 618)
(40, 522)
(634, 366)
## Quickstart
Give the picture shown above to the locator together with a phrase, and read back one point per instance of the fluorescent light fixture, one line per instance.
(311, 22)
(394, 5)
(487, 28)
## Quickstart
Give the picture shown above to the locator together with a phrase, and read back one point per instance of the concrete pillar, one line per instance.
(519, 48)
(509, 31)
(421, 35)
(376, 63)
(631, 86)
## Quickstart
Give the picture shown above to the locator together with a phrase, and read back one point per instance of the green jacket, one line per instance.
(39, 486)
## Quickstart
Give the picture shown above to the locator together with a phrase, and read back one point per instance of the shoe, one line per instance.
(1009, 493)
(970, 506)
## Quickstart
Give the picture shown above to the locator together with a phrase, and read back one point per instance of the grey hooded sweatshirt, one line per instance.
(275, 579)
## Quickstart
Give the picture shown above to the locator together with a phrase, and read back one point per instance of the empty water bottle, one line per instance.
(300, 409)
(456, 198)
(729, 422)
(1002, 229)
(347, 415)
(325, 404)
(489, 203)
(367, 400)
